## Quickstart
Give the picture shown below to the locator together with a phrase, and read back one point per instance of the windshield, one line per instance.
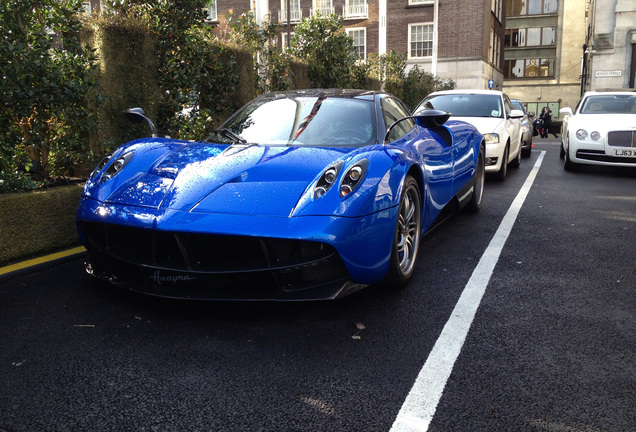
(305, 121)
(465, 105)
(518, 105)
(609, 104)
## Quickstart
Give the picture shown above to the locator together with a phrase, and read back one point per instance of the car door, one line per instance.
(433, 152)
(513, 127)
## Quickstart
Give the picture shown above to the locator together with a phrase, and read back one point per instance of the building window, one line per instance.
(494, 52)
(210, 11)
(420, 40)
(497, 8)
(322, 7)
(359, 36)
(529, 68)
(284, 34)
(355, 9)
(530, 7)
(296, 14)
(87, 7)
(533, 36)
(498, 52)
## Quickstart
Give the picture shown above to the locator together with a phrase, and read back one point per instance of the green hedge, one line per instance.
(36, 223)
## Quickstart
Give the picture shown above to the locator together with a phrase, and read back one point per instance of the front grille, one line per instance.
(246, 267)
(622, 138)
(201, 252)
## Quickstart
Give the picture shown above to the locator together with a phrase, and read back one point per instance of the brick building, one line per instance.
(460, 40)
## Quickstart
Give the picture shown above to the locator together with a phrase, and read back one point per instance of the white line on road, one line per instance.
(421, 402)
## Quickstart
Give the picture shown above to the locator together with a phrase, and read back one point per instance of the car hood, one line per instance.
(602, 122)
(211, 178)
(484, 124)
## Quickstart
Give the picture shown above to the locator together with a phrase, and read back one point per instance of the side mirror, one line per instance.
(515, 114)
(428, 118)
(566, 111)
(137, 115)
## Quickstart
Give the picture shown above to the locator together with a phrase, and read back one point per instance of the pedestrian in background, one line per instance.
(546, 118)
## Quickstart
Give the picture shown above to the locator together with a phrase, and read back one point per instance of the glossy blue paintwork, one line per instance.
(267, 191)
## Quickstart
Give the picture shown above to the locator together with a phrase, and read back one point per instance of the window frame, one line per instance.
(283, 11)
(315, 7)
(431, 25)
(211, 9)
(524, 7)
(358, 29)
(540, 63)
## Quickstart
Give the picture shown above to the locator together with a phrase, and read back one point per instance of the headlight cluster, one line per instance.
(115, 166)
(525, 127)
(582, 134)
(350, 180)
(491, 138)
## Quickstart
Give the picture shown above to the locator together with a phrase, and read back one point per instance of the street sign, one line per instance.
(491, 84)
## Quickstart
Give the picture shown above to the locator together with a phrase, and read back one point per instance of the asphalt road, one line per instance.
(552, 346)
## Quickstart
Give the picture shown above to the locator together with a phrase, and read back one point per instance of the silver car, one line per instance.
(526, 128)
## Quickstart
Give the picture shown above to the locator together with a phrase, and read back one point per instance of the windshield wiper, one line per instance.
(233, 136)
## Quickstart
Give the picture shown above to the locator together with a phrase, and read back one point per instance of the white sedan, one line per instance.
(494, 116)
(600, 131)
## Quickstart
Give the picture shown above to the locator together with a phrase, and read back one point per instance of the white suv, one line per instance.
(492, 113)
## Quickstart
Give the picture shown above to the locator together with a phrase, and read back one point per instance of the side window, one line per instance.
(392, 111)
(508, 105)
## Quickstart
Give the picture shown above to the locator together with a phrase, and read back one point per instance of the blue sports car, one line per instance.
(308, 194)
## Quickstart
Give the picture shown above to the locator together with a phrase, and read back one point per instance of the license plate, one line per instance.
(624, 152)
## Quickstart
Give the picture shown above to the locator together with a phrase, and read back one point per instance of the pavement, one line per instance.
(34, 264)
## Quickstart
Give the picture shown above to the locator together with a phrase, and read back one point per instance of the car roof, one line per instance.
(331, 92)
(466, 91)
(610, 93)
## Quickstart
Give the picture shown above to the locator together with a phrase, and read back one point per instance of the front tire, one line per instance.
(474, 204)
(568, 165)
(406, 239)
(503, 171)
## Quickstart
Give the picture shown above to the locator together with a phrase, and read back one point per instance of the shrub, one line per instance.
(47, 103)
(328, 50)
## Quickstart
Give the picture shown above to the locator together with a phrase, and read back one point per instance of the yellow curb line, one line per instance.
(41, 260)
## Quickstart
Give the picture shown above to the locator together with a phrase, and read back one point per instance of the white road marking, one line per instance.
(419, 407)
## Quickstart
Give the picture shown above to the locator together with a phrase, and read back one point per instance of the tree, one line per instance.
(187, 67)
(47, 82)
(418, 84)
(329, 51)
(272, 64)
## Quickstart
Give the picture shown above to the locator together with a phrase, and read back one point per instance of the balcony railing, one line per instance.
(295, 16)
(355, 11)
(322, 11)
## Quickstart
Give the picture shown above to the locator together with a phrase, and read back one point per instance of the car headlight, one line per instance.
(100, 166)
(353, 177)
(595, 135)
(327, 179)
(116, 166)
(581, 134)
(491, 138)
(525, 127)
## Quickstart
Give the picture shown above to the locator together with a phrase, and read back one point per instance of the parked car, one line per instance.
(493, 114)
(309, 194)
(600, 131)
(527, 129)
